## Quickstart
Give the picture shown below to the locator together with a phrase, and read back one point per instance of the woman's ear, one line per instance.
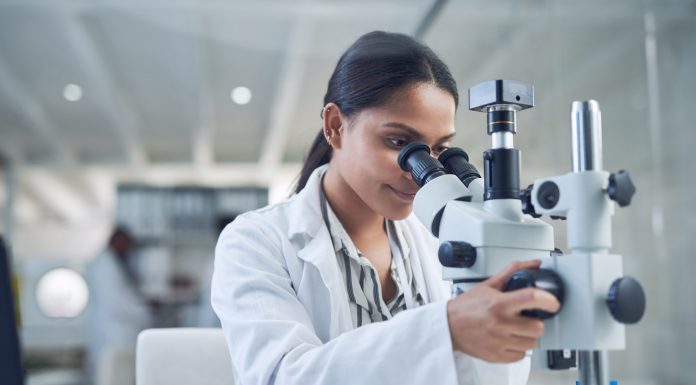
(333, 124)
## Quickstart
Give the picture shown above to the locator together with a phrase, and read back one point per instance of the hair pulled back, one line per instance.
(369, 74)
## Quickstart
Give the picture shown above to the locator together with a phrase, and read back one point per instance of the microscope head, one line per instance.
(491, 93)
(501, 99)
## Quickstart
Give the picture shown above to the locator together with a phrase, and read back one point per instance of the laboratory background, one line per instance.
(141, 128)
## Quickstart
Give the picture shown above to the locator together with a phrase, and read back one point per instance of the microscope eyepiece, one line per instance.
(415, 158)
(450, 152)
(456, 161)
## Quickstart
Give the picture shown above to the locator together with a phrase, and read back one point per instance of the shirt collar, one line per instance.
(340, 237)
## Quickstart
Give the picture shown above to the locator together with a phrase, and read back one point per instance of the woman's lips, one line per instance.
(404, 195)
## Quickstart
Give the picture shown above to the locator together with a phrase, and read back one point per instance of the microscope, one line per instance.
(484, 224)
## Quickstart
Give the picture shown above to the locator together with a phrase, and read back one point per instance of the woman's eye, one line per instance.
(440, 149)
(397, 142)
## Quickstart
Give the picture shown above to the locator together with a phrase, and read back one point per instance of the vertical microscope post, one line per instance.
(586, 136)
(586, 133)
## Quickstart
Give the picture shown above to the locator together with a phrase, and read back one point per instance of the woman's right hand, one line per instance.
(486, 323)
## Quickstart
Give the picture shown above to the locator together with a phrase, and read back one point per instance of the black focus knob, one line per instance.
(457, 254)
(626, 300)
(526, 199)
(621, 188)
(544, 279)
(548, 195)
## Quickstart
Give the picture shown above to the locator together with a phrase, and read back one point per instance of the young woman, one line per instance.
(340, 284)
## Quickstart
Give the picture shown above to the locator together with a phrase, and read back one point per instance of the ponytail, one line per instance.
(319, 154)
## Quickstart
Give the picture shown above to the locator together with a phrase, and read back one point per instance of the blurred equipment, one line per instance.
(176, 229)
(206, 316)
(11, 372)
(486, 223)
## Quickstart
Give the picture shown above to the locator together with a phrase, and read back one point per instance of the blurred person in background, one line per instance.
(117, 312)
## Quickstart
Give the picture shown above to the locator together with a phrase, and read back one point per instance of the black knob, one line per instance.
(621, 188)
(626, 300)
(544, 279)
(457, 254)
(548, 195)
(526, 199)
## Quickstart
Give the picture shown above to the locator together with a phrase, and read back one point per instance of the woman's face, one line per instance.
(369, 147)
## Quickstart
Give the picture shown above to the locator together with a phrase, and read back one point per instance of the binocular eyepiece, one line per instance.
(415, 158)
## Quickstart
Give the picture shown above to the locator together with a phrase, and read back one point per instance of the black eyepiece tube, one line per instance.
(456, 161)
(415, 158)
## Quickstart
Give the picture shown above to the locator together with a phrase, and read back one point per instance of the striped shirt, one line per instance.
(361, 278)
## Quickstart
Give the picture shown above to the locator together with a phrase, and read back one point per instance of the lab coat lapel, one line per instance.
(319, 252)
(307, 224)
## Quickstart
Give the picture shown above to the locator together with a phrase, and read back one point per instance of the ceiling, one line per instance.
(156, 75)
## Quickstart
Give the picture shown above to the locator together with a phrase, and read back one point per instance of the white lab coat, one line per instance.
(279, 294)
(115, 314)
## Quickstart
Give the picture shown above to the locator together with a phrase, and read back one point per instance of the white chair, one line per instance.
(183, 356)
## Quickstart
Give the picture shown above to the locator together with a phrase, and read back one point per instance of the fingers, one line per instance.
(497, 281)
(514, 355)
(527, 327)
(515, 349)
(507, 356)
(513, 302)
(522, 344)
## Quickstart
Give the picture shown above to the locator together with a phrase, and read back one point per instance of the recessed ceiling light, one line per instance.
(241, 95)
(72, 92)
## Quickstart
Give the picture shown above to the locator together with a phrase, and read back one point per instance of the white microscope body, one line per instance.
(484, 224)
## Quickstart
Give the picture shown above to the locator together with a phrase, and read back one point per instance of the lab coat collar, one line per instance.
(305, 210)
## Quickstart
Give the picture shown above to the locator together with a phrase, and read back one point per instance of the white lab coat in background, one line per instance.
(115, 316)
(280, 296)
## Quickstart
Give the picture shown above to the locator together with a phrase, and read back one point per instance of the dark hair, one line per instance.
(369, 73)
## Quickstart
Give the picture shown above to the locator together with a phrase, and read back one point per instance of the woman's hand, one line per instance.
(486, 323)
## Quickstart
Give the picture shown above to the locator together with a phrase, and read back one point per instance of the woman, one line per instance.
(340, 284)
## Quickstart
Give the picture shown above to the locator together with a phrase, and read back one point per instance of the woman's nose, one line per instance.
(408, 175)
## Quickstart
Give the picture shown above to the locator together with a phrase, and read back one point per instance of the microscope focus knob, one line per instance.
(457, 254)
(626, 300)
(621, 188)
(544, 279)
(526, 200)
